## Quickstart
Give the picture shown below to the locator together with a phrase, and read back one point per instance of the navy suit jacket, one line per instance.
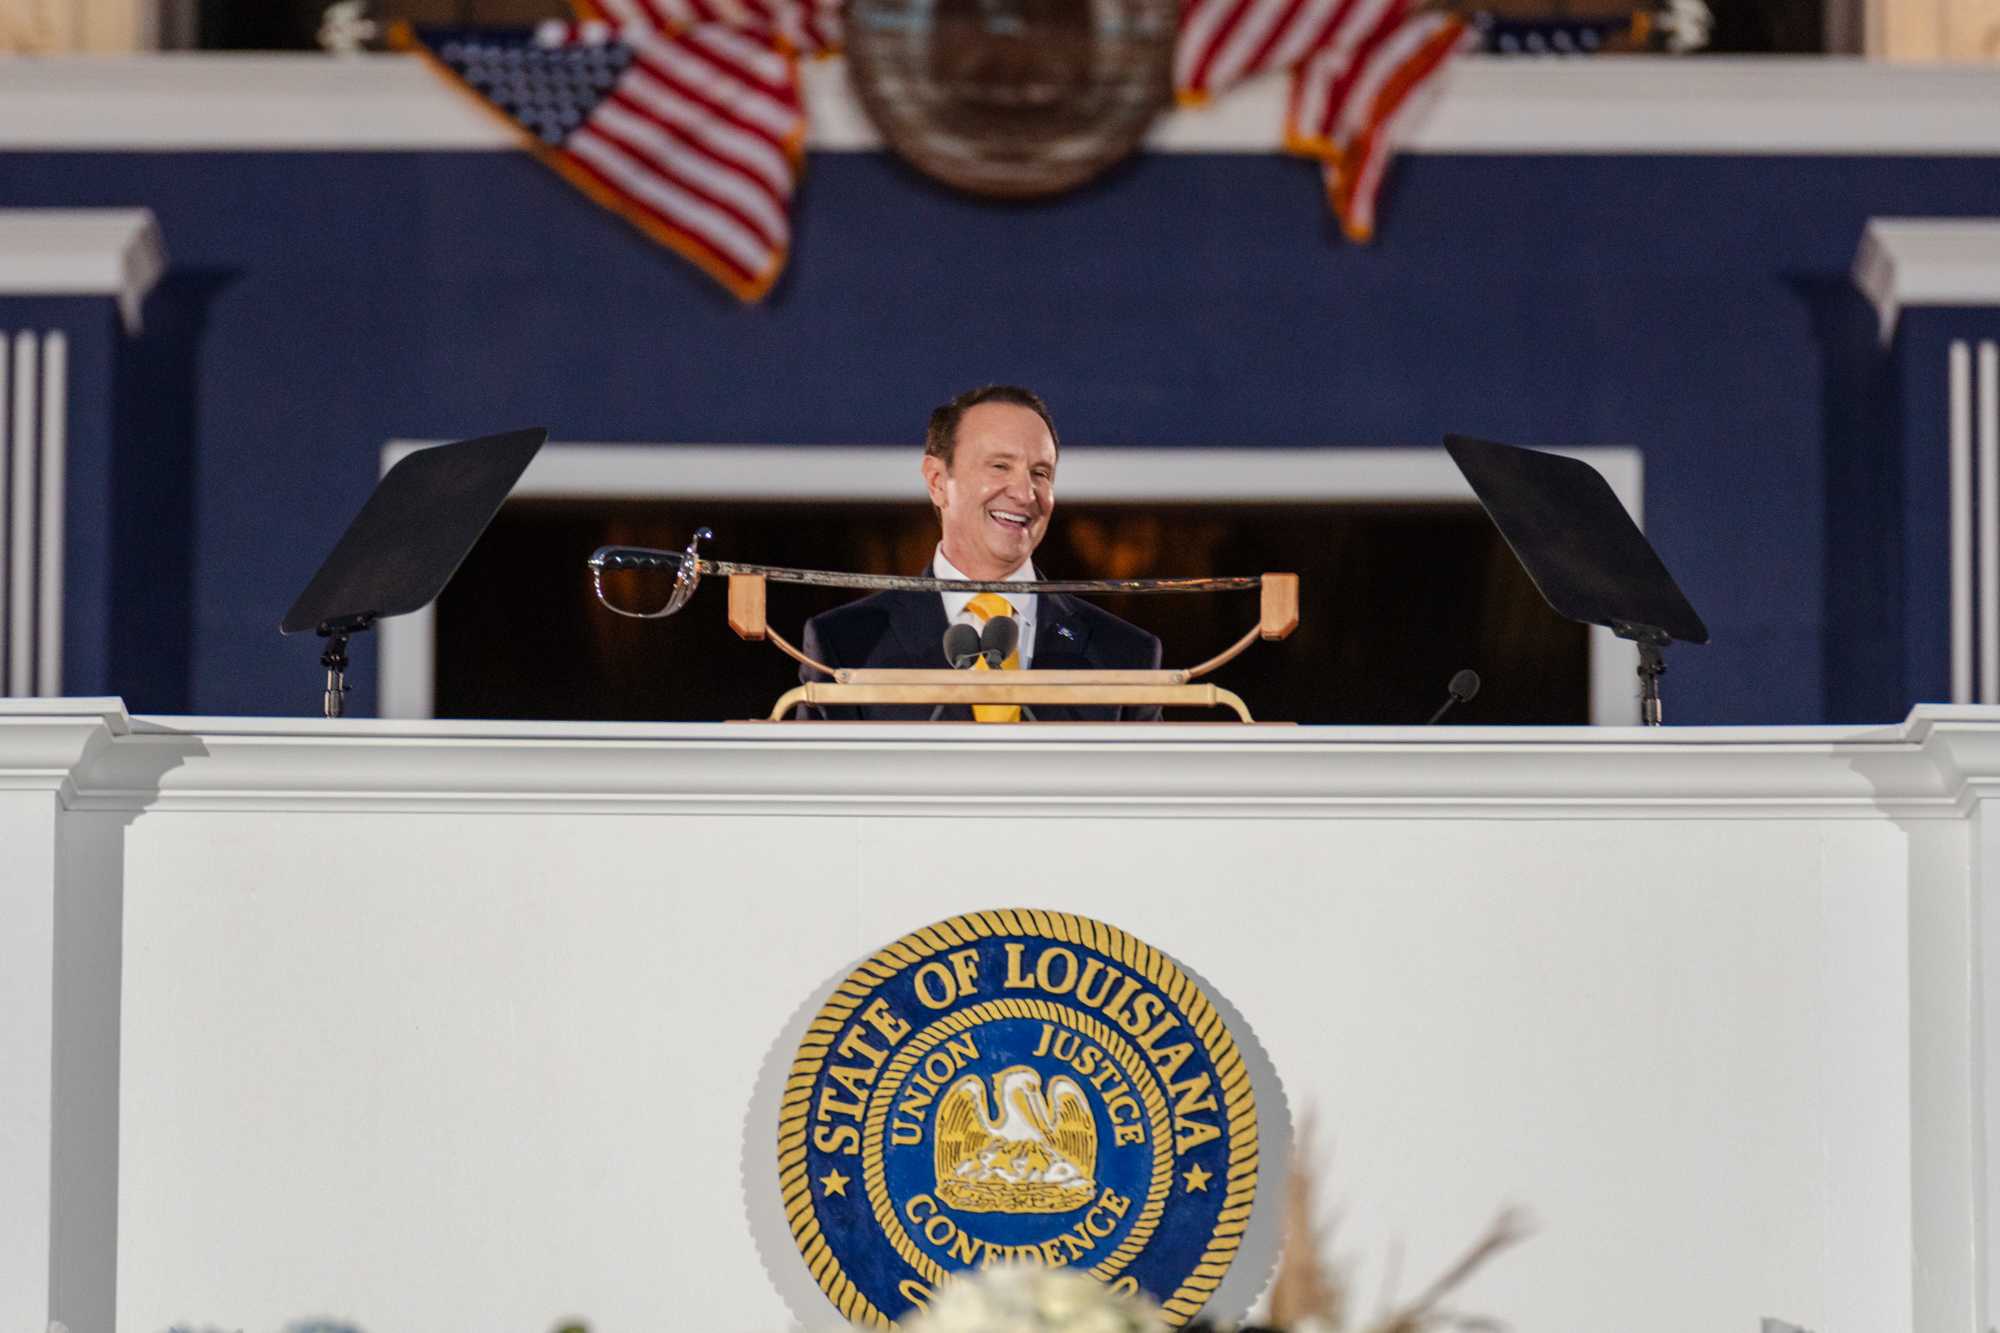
(906, 629)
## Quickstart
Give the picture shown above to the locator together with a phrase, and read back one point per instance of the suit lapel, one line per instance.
(919, 626)
(1062, 642)
(921, 631)
(1061, 635)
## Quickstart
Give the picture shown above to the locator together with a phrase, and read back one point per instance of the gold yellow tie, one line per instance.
(984, 607)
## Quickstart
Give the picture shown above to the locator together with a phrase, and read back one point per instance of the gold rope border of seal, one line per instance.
(874, 1167)
(1232, 1079)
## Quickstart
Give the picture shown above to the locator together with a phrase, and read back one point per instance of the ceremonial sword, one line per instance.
(689, 565)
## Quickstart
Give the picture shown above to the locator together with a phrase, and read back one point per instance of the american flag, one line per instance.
(693, 133)
(1349, 104)
(1355, 64)
(808, 27)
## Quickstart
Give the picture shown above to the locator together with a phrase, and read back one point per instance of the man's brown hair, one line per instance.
(941, 436)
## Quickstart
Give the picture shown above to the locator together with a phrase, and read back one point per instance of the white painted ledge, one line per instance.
(1904, 262)
(115, 252)
(1621, 104)
(1936, 764)
(1119, 474)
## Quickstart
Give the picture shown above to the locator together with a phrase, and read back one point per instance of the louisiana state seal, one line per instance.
(1016, 1087)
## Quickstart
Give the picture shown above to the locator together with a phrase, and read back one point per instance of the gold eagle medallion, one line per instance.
(1016, 1086)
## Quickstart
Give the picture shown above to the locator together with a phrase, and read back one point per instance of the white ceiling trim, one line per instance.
(1493, 105)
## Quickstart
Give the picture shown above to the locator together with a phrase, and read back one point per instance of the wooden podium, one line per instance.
(1278, 616)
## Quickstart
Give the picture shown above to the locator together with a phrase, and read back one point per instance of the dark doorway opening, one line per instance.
(1394, 599)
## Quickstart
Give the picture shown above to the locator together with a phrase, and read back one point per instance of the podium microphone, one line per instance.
(964, 646)
(1463, 686)
(961, 646)
(999, 639)
(961, 650)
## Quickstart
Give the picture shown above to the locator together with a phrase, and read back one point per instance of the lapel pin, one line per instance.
(1066, 631)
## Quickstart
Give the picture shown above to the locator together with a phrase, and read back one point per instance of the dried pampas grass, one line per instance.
(1312, 1290)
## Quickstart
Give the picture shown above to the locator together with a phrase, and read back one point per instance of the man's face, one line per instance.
(996, 497)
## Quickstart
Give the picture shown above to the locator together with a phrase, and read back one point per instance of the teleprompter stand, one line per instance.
(407, 542)
(1586, 556)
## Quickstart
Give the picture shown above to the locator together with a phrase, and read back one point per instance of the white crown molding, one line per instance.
(115, 252)
(45, 742)
(1904, 262)
(1606, 104)
(1937, 764)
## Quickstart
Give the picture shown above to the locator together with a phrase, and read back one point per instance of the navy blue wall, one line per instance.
(1698, 308)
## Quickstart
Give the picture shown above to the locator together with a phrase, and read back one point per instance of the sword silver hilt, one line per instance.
(687, 566)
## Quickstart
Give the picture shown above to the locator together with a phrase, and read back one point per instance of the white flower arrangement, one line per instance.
(1026, 1299)
(345, 28)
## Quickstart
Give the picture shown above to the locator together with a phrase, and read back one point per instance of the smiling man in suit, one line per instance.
(990, 466)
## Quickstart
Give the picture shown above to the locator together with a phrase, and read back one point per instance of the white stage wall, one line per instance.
(446, 1025)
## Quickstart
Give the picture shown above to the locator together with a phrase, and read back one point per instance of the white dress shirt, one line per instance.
(1024, 603)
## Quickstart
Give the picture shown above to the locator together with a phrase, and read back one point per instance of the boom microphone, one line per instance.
(999, 639)
(1463, 686)
(961, 646)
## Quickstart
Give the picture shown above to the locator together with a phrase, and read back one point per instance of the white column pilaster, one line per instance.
(1983, 911)
(58, 1094)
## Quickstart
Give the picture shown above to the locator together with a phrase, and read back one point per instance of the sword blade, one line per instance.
(688, 567)
(823, 578)
(680, 563)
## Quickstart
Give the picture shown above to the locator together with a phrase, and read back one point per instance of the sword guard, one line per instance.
(687, 565)
(688, 577)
